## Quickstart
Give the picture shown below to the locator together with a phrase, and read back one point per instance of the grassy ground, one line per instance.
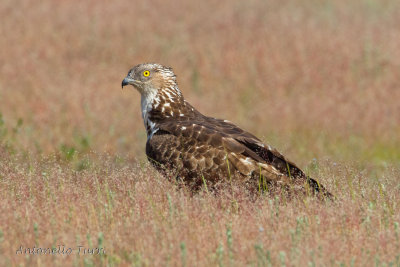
(318, 80)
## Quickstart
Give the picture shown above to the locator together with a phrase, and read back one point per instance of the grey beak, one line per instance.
(127, 81)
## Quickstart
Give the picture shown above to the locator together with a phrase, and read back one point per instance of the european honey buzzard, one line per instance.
(201, 149)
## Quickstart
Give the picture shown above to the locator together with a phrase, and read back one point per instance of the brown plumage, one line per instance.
(197, 148)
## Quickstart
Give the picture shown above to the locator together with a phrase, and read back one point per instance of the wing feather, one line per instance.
(245, 151)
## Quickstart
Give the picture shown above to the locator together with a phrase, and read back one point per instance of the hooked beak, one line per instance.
(127, 81)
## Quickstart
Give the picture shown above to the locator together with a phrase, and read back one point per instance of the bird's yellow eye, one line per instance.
(146, 73)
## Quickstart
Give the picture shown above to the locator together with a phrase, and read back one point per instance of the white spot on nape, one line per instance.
(183, 128)
(192, 109)
(226, 121)
(168, 94)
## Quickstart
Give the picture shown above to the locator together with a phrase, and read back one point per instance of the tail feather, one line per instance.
(319, 189)
(286, 167)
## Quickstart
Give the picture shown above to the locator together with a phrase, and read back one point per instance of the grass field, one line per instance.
(319, 80)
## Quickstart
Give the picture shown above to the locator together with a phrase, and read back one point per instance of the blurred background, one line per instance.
(315, 79)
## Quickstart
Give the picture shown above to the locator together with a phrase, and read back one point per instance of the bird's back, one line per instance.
(205, 148)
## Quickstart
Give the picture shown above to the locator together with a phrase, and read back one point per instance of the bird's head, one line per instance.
(149, 78)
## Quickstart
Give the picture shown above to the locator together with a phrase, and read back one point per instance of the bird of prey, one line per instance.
(200, 149)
